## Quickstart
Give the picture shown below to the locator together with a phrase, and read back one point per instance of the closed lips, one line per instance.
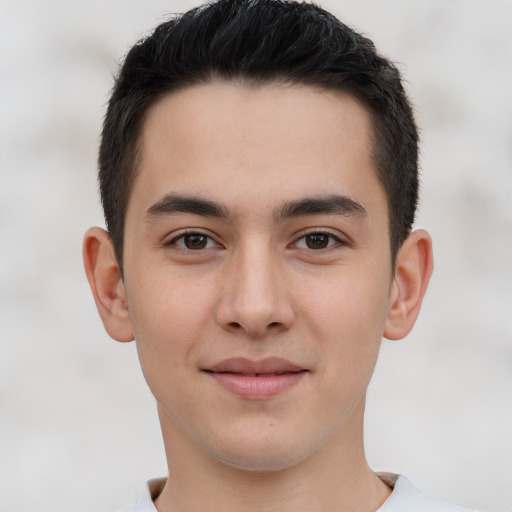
(269, 366)
(256, 380)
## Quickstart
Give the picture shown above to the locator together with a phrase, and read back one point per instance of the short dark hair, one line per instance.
(259, 42)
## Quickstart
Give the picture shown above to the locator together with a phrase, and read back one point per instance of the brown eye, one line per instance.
(317, 241)
(194, 242)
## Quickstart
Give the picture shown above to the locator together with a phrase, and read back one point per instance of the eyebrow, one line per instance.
(317, 205)
(175, 203)
(332, 204)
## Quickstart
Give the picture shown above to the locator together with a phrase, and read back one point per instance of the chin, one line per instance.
(263, 456)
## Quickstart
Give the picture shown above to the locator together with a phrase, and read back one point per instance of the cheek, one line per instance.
(349, 300)
(347, 315)
(169, 318)
(168, 315)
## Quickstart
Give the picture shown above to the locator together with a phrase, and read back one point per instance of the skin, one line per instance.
(257, 279)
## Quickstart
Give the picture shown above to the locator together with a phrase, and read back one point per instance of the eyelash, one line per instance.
(332, 241)
(190, 234)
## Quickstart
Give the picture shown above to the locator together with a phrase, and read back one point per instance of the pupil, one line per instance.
(196, 241)
(317, 241)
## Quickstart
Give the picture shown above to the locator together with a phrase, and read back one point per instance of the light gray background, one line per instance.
(78, 428)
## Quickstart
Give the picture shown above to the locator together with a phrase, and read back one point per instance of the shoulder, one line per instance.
(405, 498)
(150, 491)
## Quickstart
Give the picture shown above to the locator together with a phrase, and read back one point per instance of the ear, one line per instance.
(106, 283)
(413, 268)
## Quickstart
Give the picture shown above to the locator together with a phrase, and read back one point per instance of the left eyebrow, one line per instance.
(176, 203)
(332, 204)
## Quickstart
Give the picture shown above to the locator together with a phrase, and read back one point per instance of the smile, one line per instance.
(256, 379)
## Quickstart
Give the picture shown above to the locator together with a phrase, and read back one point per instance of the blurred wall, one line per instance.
(78, 428)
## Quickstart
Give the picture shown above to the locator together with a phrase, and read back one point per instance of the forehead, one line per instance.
(226, 140)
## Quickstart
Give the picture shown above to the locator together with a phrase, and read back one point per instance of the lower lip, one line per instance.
(257, 387)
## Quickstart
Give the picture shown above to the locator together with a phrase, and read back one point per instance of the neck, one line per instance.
(337, 477)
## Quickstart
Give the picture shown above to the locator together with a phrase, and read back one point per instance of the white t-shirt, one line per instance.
(404, 498)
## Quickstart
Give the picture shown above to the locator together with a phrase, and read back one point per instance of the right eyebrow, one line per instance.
(177, 203)
(320, 205)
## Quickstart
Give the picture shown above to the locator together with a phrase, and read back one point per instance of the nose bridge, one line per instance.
(257, 272)
(255, 299)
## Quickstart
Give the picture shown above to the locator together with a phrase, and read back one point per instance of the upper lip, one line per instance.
(244, 366)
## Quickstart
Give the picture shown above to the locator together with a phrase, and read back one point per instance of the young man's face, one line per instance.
(258, 274)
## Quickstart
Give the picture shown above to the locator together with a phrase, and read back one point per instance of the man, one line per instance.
(258, 172)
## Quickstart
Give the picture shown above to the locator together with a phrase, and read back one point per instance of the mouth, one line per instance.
(256, 379)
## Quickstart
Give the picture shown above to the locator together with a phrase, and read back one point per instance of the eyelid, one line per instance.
(340, 239)
(171, 242)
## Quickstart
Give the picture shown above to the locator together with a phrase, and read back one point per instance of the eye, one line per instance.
(317, 241)
(194, 242)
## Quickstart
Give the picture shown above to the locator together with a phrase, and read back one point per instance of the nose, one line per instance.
(255, 299)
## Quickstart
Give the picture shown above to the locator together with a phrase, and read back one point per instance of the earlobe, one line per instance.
(413, 268)
(107, 286)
